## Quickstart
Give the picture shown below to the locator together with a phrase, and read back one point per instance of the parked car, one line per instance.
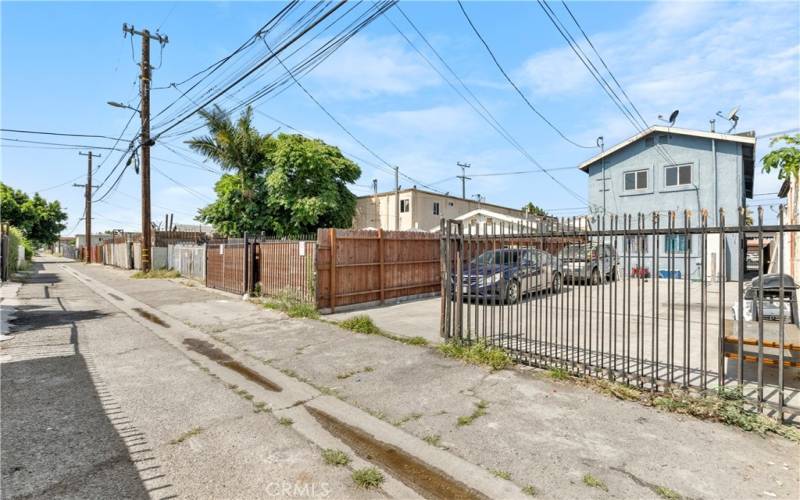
(589, 262)
(772, 300)
(509, 273)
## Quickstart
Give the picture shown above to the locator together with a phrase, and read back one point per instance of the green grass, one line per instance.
(302, 310)
(529, 490)
(194, 431)
(593, 482)
(335, 457)
(285, 421)
(502, 474)
(406, 419)
(160, 274)
(667, 493)
(348, 374)
(360, 323)
(478, 353)
(480, 410)
(416, 340)
(558, 373)
(369, 477)
(288, 303)
(433, 439)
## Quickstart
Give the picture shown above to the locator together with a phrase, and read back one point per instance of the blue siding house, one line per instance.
(666, 169)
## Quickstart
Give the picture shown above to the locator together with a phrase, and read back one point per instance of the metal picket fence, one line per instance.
(652, 301)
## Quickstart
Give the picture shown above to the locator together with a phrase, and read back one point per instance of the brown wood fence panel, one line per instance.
(287, 268)
(225, 268)
(364, 266)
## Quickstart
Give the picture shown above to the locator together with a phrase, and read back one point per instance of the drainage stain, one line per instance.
(151, 317)
(426, 480)
(216, 355)
(114, 296)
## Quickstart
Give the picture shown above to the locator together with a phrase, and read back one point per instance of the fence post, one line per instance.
(244, 264)
(381, 253)
(332, 272)
(443, 242)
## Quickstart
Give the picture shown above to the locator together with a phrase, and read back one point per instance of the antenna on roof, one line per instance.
(732, 117)
(672, 117)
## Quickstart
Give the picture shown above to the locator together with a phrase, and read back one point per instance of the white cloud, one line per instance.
(438, 123)
(369, 66)
(555, 71)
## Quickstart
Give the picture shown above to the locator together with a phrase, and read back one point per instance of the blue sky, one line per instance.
(62, 61)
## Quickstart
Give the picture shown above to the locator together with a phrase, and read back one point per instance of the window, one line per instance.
(636, 180)
(435, 208)
(677, 243)
(405, 206)
(678, 175)
(637, 245)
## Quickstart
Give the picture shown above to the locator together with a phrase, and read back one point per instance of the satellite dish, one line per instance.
(732, 117)
(672, 117)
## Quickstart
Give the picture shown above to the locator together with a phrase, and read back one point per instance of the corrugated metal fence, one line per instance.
(189, 260)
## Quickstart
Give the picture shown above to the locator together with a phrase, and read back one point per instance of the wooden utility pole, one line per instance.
(88, 191)
(146, 142)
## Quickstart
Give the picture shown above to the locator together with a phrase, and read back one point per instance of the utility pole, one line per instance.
(88, 203)
(396, 198)
(146, 142)
(464, 179)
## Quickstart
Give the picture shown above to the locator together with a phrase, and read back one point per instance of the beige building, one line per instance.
(419, 210)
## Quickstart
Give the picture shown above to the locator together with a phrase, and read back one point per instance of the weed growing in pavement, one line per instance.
(360, 323)
(591, 481)
(161, 274)
(433, 439)
(529, 490)
(502, 474)
(478, 353)
(406, 419)
(667, 493)
(194, 431)
(288, 303)
(480, 410)
(369, 477)
(260, 407)
(285, 421)
(346, 375)
(558, 373)
(335, 457)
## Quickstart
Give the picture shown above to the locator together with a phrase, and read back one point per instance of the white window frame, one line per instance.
(678, 184)
(636, 173)
(405, 206)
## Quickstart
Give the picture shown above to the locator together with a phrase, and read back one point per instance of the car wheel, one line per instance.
(513, 292)
(595, 279)
(558, 283)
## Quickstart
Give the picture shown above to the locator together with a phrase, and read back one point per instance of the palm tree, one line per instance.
(236, 147)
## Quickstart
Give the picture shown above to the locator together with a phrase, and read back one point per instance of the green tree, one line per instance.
(40, 221)
(534, 210)
(785, 160)
(284, 185)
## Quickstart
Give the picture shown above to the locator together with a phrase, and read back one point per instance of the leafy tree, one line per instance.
(40, 221)
(785, 160)
(534, 210)
(284, 185)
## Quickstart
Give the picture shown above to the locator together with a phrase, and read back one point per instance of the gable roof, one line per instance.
(744, 139)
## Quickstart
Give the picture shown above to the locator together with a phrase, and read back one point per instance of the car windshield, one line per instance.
(575, 252)
(496, 258)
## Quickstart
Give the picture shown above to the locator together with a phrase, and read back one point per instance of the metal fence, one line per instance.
(647, 300)
(189, 260)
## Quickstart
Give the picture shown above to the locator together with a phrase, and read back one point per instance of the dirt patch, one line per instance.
(414, 473)
(218, 356)
(151, 317)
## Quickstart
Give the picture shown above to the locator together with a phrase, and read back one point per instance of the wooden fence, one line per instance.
(363, 266)
(286, 267)
(226, 267)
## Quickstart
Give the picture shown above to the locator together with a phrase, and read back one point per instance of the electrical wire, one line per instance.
(40, 132)
(72, 146)
(514, 85)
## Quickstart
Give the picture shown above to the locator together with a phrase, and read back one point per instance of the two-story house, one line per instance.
(666, 169)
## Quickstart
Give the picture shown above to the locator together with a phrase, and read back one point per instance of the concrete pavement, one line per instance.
(534, 431)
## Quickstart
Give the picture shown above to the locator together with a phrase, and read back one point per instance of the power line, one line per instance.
(63, 134)
(72, 146)
(514, 85)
